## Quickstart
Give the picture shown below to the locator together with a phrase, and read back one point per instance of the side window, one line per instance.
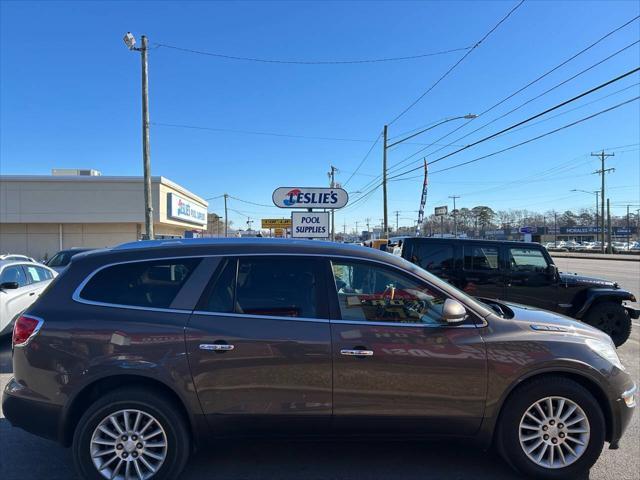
(14, 274)
(45, 274)
(368, 292)
(480, 257)
(219, 297)
(436, 258)
(527, 260)
(34, 274)
(278, 286)
(142, 284)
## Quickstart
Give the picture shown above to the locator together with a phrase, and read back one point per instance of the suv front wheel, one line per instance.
(551, 428)
(131, 434)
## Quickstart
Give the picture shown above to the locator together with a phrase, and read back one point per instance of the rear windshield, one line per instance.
(141, 284)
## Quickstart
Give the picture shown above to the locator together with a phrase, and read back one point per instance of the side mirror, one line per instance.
(9, 285)
(453, 311)
(552, 271)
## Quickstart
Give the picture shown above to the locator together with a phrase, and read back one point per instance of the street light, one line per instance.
(597, 192)
(130, 42)
(385, 147)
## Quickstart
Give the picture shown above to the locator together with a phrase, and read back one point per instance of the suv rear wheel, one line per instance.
(131, 434)
(551, 428)
(612, 318)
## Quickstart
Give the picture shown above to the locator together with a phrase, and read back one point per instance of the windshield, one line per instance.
(60, 259)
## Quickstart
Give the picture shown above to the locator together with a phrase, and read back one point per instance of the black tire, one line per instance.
(523, 398)
(153, 403)
(612, 318)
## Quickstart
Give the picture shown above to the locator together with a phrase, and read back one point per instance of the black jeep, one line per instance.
(524, 273)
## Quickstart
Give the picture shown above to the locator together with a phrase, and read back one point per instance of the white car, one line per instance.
(21, 283)
(13, 256)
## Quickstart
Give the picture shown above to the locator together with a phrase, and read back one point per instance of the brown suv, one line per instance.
(137, 354)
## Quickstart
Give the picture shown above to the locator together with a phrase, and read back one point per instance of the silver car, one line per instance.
(21, 283)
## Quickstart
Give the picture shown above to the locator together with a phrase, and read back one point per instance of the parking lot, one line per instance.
(23, 456)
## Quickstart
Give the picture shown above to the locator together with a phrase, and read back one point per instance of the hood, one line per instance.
(575, 279)
(543, 321)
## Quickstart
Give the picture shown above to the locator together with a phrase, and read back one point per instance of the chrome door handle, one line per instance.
(356, 353)
(216, 347)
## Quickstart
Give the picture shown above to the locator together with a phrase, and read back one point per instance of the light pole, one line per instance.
(455, 213)
(130, 42)
(386, 146)
(596, 192)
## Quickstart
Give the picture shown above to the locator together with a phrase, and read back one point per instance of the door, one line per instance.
(396, 365)
(530, 282)
(482, 275)
(15, 300)
(259, 346)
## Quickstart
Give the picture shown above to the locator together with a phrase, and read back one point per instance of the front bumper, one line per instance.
(633, 312)
(36, 417)
(622, 412)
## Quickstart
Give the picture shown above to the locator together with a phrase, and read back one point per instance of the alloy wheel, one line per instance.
(128, 445)
(554, 432)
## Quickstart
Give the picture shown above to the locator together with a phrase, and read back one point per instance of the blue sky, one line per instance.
(70, 97)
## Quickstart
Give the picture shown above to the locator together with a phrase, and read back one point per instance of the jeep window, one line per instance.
(436, 258)
(480, 257)
(368, 292)
(527, 260)
(220, 295)
(152, 284)
(278, 286)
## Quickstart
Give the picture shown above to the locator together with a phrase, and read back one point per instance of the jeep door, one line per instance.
(396, 365)
(483, 274)
(259, 345)
(529, 280)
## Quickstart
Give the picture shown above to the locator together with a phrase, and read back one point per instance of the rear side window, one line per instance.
(480, 257)
(278, 286)
(436, 258)
(152, 284)
(220, 296)
(14, 274)
(527, 260)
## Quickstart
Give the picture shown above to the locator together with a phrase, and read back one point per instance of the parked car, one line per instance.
(21, 282)
(555, 247)
(61, 260)
(13, 256)
(524, 273)
(140, 352)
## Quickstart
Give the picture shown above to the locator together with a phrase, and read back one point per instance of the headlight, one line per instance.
(606, 351)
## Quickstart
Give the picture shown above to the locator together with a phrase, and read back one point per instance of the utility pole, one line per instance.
(602, 173)
(130, 42)
(455, 214)
(368, 221)
(384, 181)
(609, 249)
(332, 176)
(226, 223)
(397, 212)
(555, 229)
(628, 228)
(357, 233)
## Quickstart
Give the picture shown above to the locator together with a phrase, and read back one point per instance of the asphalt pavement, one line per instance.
(26, 457)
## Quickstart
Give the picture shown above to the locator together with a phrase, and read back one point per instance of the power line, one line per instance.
(538, 115)
(468, 52)
(524, 103)
(531, 139)
(363, 159)
(312, 62)
(534, 81)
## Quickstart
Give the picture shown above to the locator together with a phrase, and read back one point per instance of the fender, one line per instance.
(595, 295)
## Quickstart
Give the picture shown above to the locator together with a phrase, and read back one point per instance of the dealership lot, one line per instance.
(342, 459)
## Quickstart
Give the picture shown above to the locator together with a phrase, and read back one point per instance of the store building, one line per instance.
(41, 214)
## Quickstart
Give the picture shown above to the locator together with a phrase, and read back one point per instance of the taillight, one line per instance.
(24, 328)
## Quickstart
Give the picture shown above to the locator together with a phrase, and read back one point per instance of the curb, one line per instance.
(592, 256)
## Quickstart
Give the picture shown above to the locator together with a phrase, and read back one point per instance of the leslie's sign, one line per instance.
(301, 197)
(182, 209)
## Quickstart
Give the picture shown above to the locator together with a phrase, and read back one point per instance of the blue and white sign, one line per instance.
(526, 230)
(302, 197)
(186, 210)
(310, 224)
